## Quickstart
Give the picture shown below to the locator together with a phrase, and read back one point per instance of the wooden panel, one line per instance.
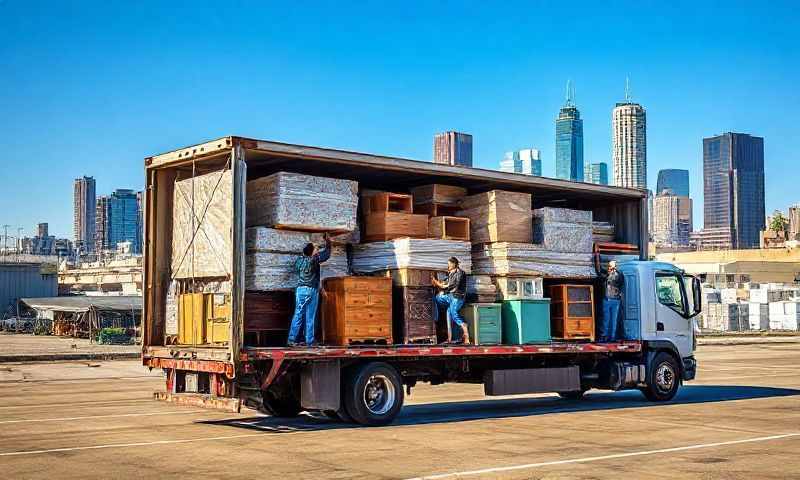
(438, 194)
(268, 310)
(383, 202)
(566, 301)
(390, 225)
(408, 277)
(499, 216)
(436, 210)
(413, 315)
(357, 309)
(449, 228)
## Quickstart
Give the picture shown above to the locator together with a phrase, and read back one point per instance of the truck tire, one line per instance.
(663, 379)
(373, 394)
(287, 406)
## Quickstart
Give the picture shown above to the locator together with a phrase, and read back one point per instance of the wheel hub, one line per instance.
(665, 377)
(379, 394)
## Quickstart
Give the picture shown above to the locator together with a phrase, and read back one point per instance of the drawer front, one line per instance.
(367, 284)
(355, 330)
(578, 326)
(368, 299)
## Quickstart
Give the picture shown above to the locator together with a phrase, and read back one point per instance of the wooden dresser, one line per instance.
(357, 310)
(572, 312)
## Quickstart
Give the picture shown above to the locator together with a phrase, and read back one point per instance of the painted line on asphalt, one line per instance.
(736, 377)
(128, 445)
(528, 466)
(99, 404)
(118, 415)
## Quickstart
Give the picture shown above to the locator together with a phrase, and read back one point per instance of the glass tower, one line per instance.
(569, 144)
(673, 179)
(596, 173)
(527, 161)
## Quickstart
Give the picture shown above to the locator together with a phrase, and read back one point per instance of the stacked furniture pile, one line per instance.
(285, 211)
(603, 232)
(728, 317)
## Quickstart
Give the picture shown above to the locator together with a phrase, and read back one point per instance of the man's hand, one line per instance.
(326, 237)
(434, 280)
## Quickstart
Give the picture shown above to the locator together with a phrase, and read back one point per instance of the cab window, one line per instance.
(668, 290)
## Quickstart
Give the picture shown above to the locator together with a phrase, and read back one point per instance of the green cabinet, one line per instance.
(483, 322)
(526, 321)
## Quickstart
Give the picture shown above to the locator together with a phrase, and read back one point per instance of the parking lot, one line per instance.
(740, 419)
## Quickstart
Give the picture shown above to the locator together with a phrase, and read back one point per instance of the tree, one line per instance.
(778, 222)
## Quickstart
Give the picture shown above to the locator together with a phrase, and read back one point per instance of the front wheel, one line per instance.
(664, 379)
(374, 394)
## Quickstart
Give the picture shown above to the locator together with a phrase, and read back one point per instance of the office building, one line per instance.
(675, 180)
(672, 220)
(596, 173)
(452, 148)
(527, 161)
(42, 230)
(118, 220)
(569, 140)
(102, 242)
(733, 187)
(84, 214)
(629, 144)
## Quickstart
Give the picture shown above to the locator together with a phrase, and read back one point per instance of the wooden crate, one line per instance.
(449, 228)
(483, 322)
(408, 277)
(379, 227)
(436, 210)
(438, 194)
(383, 202)
(499, 216)
(357, 310)
(572, 312)
(266, 317)
(526, 321)
(413, 315)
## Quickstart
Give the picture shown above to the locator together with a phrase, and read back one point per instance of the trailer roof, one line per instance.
(265, 157)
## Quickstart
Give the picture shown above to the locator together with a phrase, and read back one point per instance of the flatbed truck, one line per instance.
(367, 384)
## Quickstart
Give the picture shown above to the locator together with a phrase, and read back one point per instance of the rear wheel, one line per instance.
(374, 394)
(664, 378)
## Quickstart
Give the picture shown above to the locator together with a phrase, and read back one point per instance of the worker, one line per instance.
(452, 296)
(612, 299)
(306, 296)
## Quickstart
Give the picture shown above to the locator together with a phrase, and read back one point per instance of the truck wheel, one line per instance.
(374, 394)
(663, 380)
(282, 406)
(572, 395)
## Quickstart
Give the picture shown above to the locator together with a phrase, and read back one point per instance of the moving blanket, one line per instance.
(527, 259)
(302, 202)
(420, 253)
(563, 229)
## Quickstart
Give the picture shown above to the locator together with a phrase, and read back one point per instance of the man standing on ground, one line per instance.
(306, 296)
(613, 285)
(452, 295)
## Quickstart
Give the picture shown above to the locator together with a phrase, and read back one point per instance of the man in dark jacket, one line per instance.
(306, 296)
(612, 288)
(454, 289)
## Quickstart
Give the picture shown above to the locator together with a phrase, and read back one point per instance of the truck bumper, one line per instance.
(689, 368)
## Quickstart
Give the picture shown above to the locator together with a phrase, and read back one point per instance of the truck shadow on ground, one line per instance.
(446, 412)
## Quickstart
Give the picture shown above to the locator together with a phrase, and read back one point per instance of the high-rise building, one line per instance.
(527, 161)
(675, 180)
(102, 242)
(629, 144)
(596, 173)
(569, 140)
(452, 148)
(794, 222)
(733, 187)
(118, 220)
(84, 214)
(42, 230)
(672, 219)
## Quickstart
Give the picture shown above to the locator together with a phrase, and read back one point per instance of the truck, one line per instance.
(367, 384)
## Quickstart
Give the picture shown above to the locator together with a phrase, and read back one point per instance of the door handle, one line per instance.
(659, 326)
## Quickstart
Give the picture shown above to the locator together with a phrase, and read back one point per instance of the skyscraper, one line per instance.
(101, 225)
(675, 180)
(596, 173)
(527, 161)
(452, 148)
(83, 199)
(118, 220)
(569, 140)
(733, 187)
(629, 144)
(672, 219)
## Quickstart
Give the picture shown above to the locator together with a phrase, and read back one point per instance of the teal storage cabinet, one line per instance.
(483, 322)
(526, 321)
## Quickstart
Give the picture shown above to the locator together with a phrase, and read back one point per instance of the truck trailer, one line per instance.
(366, 384)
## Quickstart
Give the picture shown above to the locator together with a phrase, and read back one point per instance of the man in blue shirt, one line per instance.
(306, 296)
(452, 296)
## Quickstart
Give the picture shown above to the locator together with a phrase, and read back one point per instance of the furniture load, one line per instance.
(413, 315)
(572, 312)
(409, 277)
(389, 215)
(520, 288)
(498, 216)
(204, 318)
(526, 321)
(483, 322)
(437, 200)
(357, 310)
(266, 317)
(449, 228)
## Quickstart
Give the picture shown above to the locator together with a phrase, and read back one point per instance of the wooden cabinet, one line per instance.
(526, 321)
(357, 310)
(483, 323)
(266, 317)
(413, 315)
(204, 318)
(572, 312)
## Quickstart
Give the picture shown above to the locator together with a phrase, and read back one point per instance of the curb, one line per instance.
(69, 356)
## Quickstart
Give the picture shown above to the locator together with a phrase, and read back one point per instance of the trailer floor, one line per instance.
(740, 419)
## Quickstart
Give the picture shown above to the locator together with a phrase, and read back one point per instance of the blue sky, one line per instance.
(92, 88)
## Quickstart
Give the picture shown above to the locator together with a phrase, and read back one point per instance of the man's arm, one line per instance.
(597, 267)
(325, 253)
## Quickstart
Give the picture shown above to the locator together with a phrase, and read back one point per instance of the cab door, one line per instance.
(673, 317)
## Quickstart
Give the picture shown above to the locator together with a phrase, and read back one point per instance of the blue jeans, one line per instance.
(608, 327)
(453, 305)
(305, 307)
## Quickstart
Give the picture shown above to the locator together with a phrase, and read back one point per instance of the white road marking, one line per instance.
(118, 415)
(100, 404)
(736, 377)
(604, 457)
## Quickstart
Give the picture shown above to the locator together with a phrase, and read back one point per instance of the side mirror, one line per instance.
(697, 297)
